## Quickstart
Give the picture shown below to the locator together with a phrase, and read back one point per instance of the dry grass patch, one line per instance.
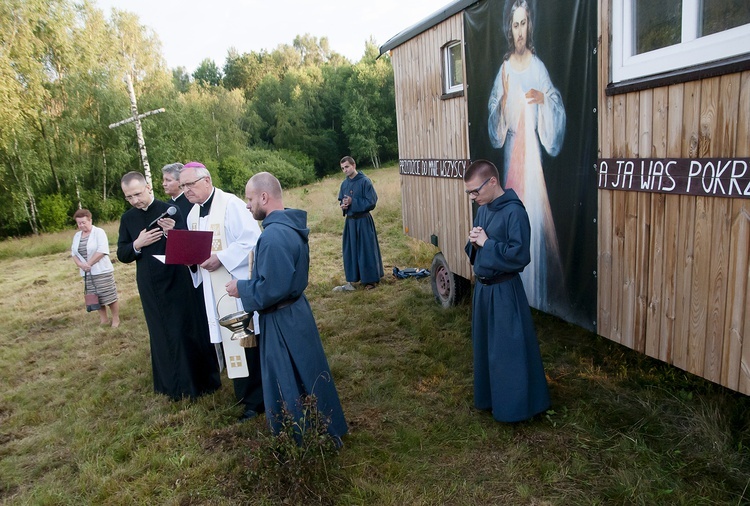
(80, 424)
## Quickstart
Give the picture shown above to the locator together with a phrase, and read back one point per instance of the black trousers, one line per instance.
(249, 390)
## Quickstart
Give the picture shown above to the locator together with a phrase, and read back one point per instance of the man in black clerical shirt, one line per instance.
(182, 358)
(171, 183)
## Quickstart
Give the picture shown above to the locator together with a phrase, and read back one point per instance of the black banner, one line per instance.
(541, 132)
(430, 167)
(707, 177)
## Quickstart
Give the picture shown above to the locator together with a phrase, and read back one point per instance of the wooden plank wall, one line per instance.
(673, 270)
(432, 128)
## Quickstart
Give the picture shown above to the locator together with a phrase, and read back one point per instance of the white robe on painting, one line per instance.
(522, 129)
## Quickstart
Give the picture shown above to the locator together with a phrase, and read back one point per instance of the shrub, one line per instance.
(111, 209)
(103, 210)
(299, 464)
(303, 163)
(233, 173)
(54, 212)
(291, 168)
(288, 174)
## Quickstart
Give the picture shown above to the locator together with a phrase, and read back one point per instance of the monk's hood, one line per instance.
(295, 219)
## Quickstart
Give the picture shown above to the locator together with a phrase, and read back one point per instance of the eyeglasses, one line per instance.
(475, 192)
(191, 184)
(133, 196)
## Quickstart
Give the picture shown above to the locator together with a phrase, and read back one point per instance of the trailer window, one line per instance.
(650, 38)
(453, 69)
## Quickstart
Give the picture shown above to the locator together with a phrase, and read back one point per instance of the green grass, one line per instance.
(80, 424)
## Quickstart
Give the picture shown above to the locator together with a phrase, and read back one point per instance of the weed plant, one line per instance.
(298, 465)
(80, 423)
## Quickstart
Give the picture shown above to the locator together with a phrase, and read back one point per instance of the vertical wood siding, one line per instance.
(432, 128)
(673, 270)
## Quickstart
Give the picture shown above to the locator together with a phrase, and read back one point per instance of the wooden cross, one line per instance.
(135, 117)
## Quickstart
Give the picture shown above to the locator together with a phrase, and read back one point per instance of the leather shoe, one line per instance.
(249, 414)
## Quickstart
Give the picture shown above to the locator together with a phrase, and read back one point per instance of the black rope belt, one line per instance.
(500, 278)
(279, 305)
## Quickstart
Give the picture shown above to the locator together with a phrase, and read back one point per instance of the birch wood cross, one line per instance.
(136, 118)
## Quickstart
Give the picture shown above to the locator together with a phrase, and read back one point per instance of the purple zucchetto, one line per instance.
(193, 165)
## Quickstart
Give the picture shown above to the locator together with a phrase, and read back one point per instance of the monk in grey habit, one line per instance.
(293, 362)
(360, 248)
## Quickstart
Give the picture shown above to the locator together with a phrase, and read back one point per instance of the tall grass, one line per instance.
(80, 424)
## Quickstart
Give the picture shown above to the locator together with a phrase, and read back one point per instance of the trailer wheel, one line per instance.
(449, 288)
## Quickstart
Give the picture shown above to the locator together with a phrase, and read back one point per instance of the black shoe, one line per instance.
(249, 414)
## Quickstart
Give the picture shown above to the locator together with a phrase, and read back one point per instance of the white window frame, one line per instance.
(448, 86)
(693, 50)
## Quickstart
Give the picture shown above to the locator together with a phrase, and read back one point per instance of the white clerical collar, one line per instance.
(149, 204)
(209, 197)
(174, 199)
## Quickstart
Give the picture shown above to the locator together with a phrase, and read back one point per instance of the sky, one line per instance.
(192, 30)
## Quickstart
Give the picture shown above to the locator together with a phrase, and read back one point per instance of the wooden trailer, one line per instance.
(433, 140)
(650, 202)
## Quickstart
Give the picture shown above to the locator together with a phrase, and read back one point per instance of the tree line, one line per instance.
(294, 111)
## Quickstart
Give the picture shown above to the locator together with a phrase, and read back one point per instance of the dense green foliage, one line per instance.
(294, 111)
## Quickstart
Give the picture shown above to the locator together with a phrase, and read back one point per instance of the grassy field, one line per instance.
(80, 424)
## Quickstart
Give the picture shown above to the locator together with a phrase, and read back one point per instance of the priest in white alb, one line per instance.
(234, 239)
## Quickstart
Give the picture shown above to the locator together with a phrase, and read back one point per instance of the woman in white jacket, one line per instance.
(90, 252)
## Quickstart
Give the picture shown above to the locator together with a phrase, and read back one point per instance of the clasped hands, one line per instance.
(477, 236)
(346, 202)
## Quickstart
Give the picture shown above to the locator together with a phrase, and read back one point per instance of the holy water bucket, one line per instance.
(241, 325)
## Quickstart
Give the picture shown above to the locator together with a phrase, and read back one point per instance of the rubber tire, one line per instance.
(448, 288)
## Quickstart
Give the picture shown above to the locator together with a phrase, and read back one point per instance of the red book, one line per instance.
(188, 247)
